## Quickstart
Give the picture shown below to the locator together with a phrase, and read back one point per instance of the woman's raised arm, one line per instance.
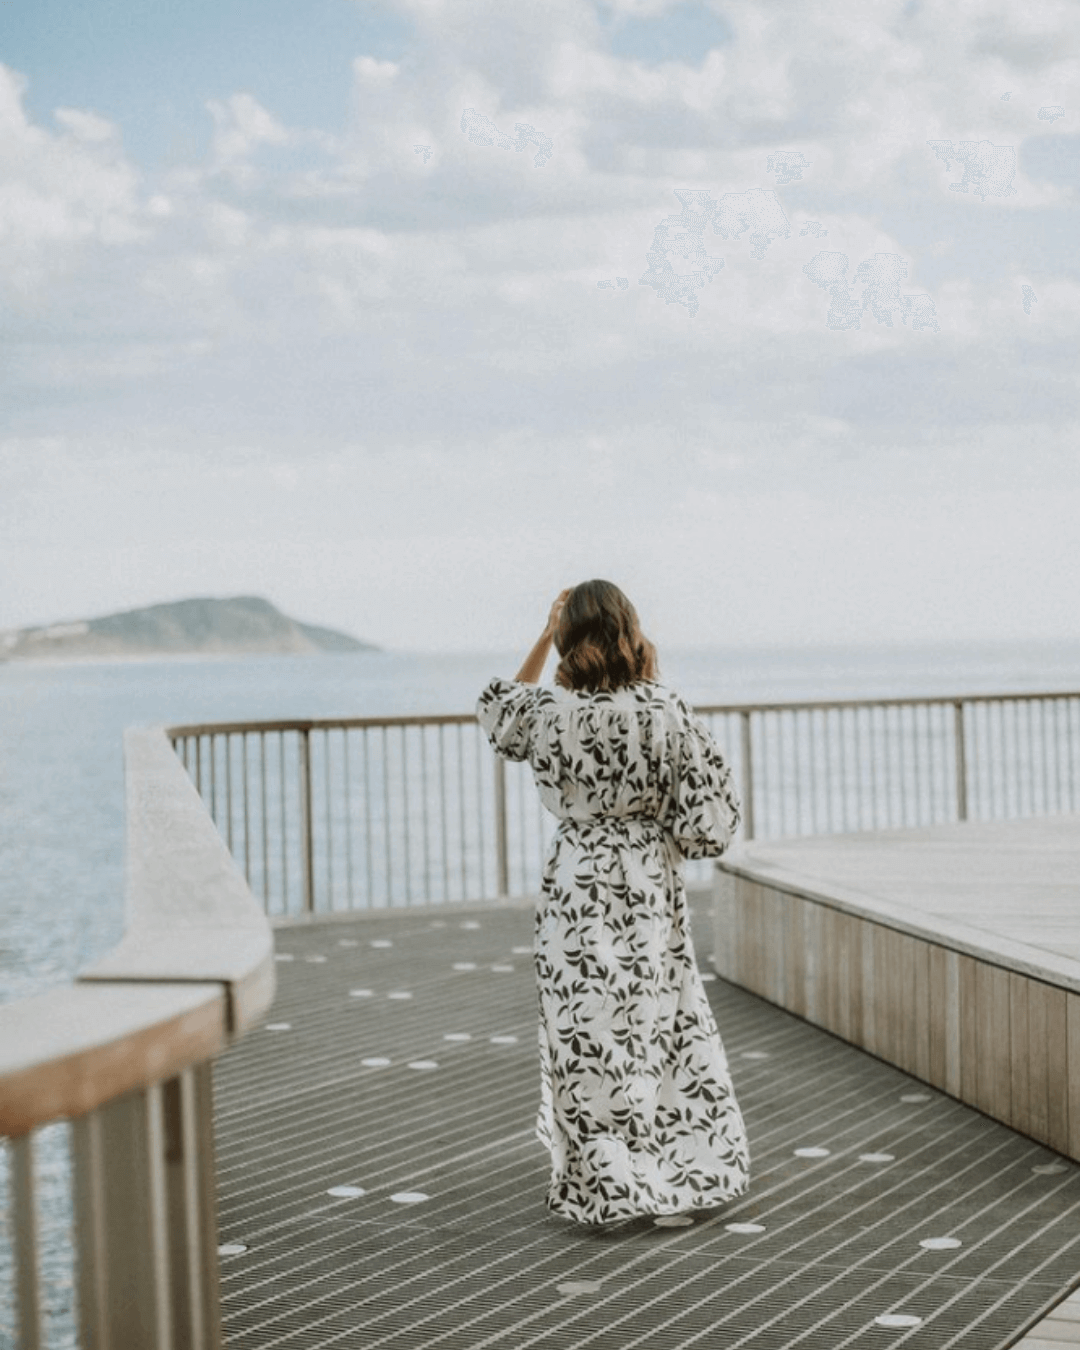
(533, 665)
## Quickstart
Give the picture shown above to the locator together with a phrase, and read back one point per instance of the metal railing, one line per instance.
(330, 815)
(124, 1054)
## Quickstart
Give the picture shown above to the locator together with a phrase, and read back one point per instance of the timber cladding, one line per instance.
(997, 1039)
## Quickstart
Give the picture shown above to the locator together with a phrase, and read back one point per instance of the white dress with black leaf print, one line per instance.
(637, 1108)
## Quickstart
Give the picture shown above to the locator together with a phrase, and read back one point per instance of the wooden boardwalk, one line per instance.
(950, 952)
(1006, 889)
(380, 1184)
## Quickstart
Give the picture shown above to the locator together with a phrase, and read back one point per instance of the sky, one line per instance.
(407, 315)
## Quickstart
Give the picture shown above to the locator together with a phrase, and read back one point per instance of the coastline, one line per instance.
(171, 658)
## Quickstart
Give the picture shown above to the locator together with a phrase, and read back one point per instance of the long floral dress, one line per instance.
(637, 1108)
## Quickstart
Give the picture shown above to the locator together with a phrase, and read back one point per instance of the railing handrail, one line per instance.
(703, 709)
(321, 724)
(193, 970)
(899, 701)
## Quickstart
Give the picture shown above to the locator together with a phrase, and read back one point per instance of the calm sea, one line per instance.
(61, 773)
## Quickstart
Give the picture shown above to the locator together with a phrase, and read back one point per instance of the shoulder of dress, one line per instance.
(679, 711)
(501, 685)
(501, 692)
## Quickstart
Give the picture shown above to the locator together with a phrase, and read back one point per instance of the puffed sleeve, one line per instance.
(704, 813)
(507, 711)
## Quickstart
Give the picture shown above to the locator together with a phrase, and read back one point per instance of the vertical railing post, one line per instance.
(960, 749)
(502, 852)
(747, 775)
(307, 852)
(27, 1299)
(191, 1213)
(145, 1228)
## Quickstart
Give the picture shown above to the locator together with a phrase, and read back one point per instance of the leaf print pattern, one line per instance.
(636, 1103)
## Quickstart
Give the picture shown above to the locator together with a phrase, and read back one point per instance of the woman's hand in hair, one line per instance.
(556, 612)
(533, 666)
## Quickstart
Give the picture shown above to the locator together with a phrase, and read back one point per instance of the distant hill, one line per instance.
(242, 625)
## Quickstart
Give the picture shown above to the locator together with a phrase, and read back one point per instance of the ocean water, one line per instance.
(61, 726)
(62, 795)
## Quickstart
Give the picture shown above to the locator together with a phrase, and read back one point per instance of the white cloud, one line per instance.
(370, 71)
(58, 191)
(242, 126)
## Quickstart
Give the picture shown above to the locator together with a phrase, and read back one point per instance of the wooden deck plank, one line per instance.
(794, 979)
(938, 1016)
(906, 1011)
(1038, 1060)
(1057, 1055)
(1072, 1033)
(871, 992)
(856, 1015)
(1010, 888)
(1019, 1064)
(997, 1050)
(969, 1029)
(953, 1026)
(921, 958)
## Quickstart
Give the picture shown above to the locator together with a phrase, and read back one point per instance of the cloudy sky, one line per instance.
(272, 321)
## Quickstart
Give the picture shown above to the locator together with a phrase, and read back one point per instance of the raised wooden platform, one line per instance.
(952, 952)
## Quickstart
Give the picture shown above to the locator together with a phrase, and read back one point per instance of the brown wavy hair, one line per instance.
(600, 641)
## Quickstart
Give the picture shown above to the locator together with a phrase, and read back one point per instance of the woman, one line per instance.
(637, 1108)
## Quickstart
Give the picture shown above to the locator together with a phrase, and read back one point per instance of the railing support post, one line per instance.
(145, 1222)
(747, 776)
(307, 853)
(502, 851)
(26, 1247)
(961, 760)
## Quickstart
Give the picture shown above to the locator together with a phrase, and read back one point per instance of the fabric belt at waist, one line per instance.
(640, 824)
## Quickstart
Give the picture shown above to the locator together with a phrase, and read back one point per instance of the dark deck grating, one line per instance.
(479, 1262)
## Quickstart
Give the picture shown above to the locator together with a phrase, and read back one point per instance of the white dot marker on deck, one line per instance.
(399, 994)
(578, 1287)
(464, 965)
(897, 1320)
(812, 1152)
(755, 1054)
(422, 1064)
(315, 960)
(915, 1097)
(877, 1157)
(521, 951)
(346, 1192)
(744, 1227)
(360, 993)
(504, 1040)
(943, 1244)
(375, 1062)
(503, 968)
(232, 1248)
(469, 923)
(409, 1197)
(279, 1026)
(458, 1036)
(283, 956)
(1049, 1169)
(707, 977)
(673, 1221)
(381, 942)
